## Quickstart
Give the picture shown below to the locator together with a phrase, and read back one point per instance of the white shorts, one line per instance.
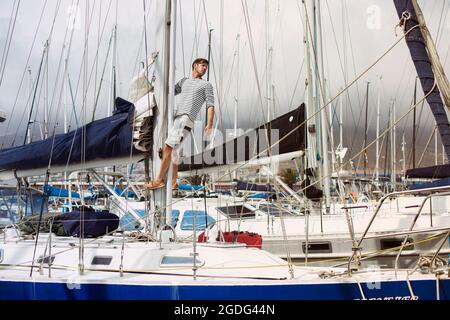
(181, 128)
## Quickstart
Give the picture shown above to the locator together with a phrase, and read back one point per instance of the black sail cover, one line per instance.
(433, 172)
(419, 54)
(106, 138)
(291, 132)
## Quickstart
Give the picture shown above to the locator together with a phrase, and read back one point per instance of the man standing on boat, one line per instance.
(192, 94)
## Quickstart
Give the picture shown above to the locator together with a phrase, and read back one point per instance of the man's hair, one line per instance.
(198, 61)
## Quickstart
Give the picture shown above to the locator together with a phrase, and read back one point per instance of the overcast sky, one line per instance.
(355, 34)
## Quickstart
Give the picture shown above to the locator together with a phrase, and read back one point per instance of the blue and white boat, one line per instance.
(118, 268)
(152, 264)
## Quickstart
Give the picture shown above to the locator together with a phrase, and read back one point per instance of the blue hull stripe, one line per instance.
(396, 290)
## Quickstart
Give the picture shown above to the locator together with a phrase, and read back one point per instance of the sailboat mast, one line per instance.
(171, 99)
(393, 145)
(435, 147)
(112, 88)
(341, 125)
(324, 121)
(30, 93)
(377, 156)
(209, 58)
(311, 160)
(365, 130)
(236, 99)
(268, 63)
(65, 104)
(27, 131)
(331, 110)
(414, 127)
(205, 143)
(46, 125)
(164, 96)
(403, 154)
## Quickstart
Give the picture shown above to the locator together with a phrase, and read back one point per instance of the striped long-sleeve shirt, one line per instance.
(192, 94)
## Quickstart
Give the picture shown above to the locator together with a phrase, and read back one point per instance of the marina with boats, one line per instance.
(276, 212)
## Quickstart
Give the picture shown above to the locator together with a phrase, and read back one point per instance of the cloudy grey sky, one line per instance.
(355, 34)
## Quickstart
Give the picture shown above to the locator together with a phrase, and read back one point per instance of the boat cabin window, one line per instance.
(237, 212)
(4, 213)
(318, 247)
(394, 243)
(101, 260)
(178, 261)
(46, 260)
(201, 219)
(129, 223)
(275, 211)
(1, 255)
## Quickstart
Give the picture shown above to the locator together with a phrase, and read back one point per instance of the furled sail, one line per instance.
(108, 141)
(433, 172)
(246, 147)
(420, 56)
(436, 64)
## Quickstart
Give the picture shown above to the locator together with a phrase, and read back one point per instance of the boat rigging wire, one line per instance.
(46, 49)
(343, 70)
(9, 37)
(66, 47)
(149, 174)
(97, 97)
(182, 39)
(45, 198)
(24, 73)
(324, 106)
(92, 69)
(34, 95)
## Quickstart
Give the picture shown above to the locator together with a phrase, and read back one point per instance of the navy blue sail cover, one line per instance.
(419, 55)
(95, 224)
(106, 138)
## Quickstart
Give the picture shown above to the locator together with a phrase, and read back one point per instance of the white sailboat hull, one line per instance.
(224, 272)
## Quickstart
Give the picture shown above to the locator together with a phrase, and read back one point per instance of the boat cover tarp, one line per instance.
(419, 55)
(260, 196)
(433, 172)
(434, 184)
(106, 138)
(51, 191)
(95, 224)
(189, 187)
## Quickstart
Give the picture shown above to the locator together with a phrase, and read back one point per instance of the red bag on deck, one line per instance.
(251, 239)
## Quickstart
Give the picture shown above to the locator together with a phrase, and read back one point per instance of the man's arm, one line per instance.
(210, 106)
(179, 85)
(210, 123)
